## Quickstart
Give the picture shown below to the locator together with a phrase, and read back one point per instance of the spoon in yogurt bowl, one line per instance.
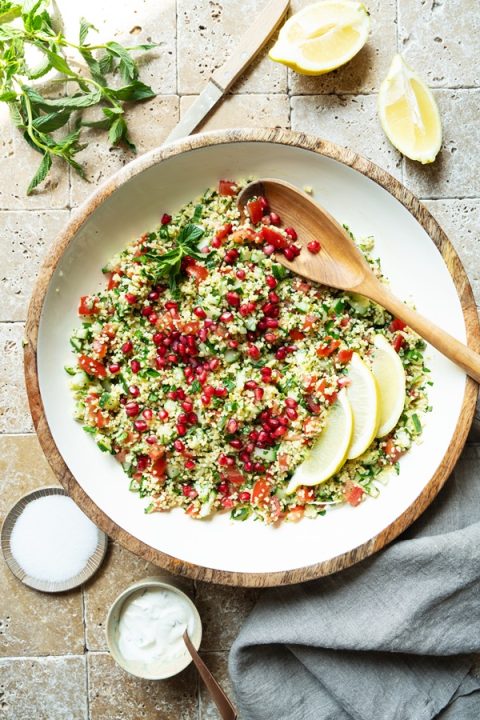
(329, 256)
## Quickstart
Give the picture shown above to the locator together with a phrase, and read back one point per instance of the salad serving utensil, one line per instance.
(340, 264)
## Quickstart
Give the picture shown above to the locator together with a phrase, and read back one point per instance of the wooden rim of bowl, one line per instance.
(93, 563)
(329, 150)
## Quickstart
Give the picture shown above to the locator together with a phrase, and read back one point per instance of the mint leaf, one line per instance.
(41, 173)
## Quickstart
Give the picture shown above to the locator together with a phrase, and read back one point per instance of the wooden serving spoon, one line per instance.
(340, 264)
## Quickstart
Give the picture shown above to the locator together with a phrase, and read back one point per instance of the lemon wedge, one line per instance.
(322, 36)
(389, 375)
(409, 114)
(363, 397)
(330, 451)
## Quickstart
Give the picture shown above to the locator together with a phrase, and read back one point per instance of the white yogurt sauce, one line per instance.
(151, 626)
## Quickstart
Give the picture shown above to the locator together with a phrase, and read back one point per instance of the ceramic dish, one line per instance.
(417, 258)
(113, 617)
(90, 568)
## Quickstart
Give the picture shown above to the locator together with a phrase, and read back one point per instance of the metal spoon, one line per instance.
(224, 706)
(340, 264)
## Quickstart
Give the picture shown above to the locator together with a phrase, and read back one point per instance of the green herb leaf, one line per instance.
(41, 173)
(8, 96)
(51, 121)
(9, 11)
(135, 91)
(85, 27)
(127, 66)
(59, 63)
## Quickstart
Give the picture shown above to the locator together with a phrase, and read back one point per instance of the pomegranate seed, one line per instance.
(130, 298)
(127, 347)
(181, 429)
(179, 446)
(171, 305)
(160, 362)
(232, 426)
(253, 352)
(134, 391)
(314, 247)
(233, 344)
(223, 487)
(163, 415)
(258, 394)
(251, 384)
(237, 444)
(271, 282)
(230, 461)
(231, 256)
(209, 391)
(222, 459)
(291, 413)
(273, 297)
(182, 419)
(268, 249)
(192, 418)
(153, 318)
(189, 464)
(253, 435)
(266, 370)
(200, 313)
(244, 496)
(135, 366)
(221, 392)
(186, 489)
(245, 310)
(292, 233)
(205, 400)
(263, 436)
(233, 298)
(226, 317)
(181, 394)
(172, 394)
(142, 462)
(270, 337)
(132, 409)
(291, 402)
(214, 364)
(147, 414)
(114, 368)
(187, 406)
(140, 425)
(281, 353)
(275, 219)
(152, 439)
(280, 431)
(271, 323)
(248, 466)
(258, 467)
(153, 295)
(241, 274)
(146, 311)
(289, 253)
(166, 219)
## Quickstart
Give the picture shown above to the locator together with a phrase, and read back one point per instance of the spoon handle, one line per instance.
(458, 352)
(225, 707)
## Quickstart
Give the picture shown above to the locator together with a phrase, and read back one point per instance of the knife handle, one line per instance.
(250, 43)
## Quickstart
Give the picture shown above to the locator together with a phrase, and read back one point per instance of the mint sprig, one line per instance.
(38, 117)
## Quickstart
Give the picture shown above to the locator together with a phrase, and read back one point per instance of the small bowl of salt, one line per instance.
(49, 544)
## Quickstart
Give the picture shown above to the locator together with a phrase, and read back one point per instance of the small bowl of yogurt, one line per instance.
(145, 627)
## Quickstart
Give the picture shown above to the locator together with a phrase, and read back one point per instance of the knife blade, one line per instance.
(222, 79)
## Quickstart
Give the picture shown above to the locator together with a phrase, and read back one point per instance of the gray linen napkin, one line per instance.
(387, 639)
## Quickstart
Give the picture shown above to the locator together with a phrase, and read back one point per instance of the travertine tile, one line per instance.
(35, 623)
(439, 39)
(244, 111)
(132, 23)
(14, 412)
(116, 695)
(24, 240)
(18, 164)
(149, 122)
(223, 610)
(456, 171)
(461, 219)
(43, 688)
(119, 570)
(366, 70)
(208, 33)
(218, 664)
(349, 121)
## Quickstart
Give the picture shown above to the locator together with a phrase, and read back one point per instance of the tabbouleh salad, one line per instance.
(208, 369)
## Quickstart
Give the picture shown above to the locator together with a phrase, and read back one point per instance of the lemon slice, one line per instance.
(330, 451)
(389, 375)
(409, 113)
(363, 397)
(322, 36)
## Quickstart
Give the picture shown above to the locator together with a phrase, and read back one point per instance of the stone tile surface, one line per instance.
(439, 39)
(456, 170)
(116, 695)
(24, 240)
(461, 220)
(14, 412)
(222, 610)
(208, 33)
(120, 569)
(244, 111)
(43, 688)
(36, 623)
(347, 120)
(366, 70)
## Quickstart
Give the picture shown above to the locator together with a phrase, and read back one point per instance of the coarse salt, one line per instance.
(52, 539)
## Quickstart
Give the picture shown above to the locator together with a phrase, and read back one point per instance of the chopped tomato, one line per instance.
(296, 334)
(234, 476)
(198, 272)
(283, 461)
(309, 322)
(344, 356)
(330, 397)
(344, 321)
(94, 412)
(156, 452)
(111, 283)
(353, 494)
(295, 513)
(393, 453)
(305, 494)
(255, 210)
(158, 468)
(330, 344)
(313, 406)
(88, 305)
(261, 491)
(92, 366)
(227, 187)
(222, 232)
(100, 348)
(274, 508)
(190, 328)
(192, 510)
(398, 342)
(109, 330)
(303, 286)
(273, 237)
(397, 324)
(244, 235)
(311, 381)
